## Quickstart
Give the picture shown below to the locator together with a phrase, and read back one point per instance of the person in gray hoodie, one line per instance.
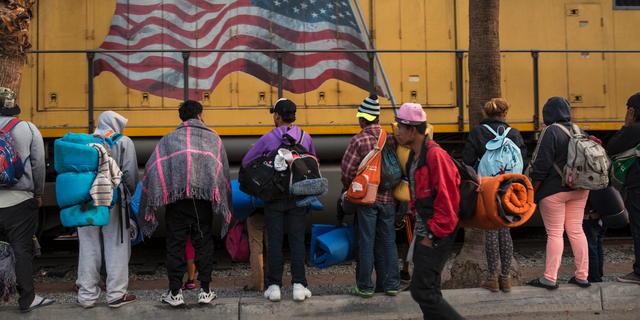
(114, 237)
(19, 203)
(561, 207)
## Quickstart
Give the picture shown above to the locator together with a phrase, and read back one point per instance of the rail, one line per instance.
(371, 54)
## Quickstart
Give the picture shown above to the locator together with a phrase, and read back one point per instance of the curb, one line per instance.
(476, 301)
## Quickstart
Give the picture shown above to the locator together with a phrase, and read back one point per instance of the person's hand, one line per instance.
(630, 117)
(426, 242)
(39, 201)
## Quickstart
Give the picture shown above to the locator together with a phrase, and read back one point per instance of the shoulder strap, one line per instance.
(506, 131)
(301, 137)
(491, 130)
(382, 139)
(563, 129)
(11, 124)
(576, 129)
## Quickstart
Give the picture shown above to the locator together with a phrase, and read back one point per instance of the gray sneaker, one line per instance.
(630, 278)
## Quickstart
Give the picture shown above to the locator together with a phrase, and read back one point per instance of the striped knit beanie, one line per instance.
(369, 109)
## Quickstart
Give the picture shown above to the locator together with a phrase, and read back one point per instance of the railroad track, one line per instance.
(57, 264)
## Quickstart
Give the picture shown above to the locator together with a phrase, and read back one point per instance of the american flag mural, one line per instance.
(233, 24)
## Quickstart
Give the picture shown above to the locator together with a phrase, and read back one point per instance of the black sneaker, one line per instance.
(405, 277)
(127, 298)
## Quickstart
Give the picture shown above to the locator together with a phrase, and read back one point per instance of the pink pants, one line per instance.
(189, 253)
(565, 210)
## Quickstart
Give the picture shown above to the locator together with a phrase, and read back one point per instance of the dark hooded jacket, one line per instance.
(474, 147)
(553, 148)
(626, 138)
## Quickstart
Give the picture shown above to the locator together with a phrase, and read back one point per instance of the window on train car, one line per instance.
(626, 4)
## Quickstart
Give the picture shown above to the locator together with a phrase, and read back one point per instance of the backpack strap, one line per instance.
(10, 125)
(491, 130)
(113, 136)
(565, 129)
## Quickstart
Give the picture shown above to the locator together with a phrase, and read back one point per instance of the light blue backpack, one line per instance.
(502, 156)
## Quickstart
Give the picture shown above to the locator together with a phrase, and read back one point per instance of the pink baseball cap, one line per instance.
(411, 114)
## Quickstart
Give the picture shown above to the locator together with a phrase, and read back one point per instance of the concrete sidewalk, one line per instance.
(602, 296)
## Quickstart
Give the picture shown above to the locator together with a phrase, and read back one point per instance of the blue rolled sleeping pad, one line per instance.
(133, 215)
(331, 245)
(71, 154)
(77, 164)
(244, 204)
(609, 204)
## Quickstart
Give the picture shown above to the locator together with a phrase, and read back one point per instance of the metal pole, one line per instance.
(384, 75)
(185, 65)
(90, 56)
(536, 93)
(459, 91)
(372, 84)
(279, 55)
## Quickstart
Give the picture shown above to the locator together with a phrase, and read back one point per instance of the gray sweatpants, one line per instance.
(116, 260)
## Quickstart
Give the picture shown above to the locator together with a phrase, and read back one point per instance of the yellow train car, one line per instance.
(55, 86)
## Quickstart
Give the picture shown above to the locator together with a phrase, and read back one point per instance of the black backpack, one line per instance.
(260, 178)
(468, 189)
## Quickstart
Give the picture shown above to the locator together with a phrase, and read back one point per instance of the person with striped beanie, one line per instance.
(380, 216)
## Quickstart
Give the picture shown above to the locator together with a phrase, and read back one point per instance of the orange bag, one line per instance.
(517, 200)
(364, 187)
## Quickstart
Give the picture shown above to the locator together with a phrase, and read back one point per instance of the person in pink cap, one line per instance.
(435, 199)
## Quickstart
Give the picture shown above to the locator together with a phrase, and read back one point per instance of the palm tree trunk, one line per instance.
(470, 266)
(11, 73)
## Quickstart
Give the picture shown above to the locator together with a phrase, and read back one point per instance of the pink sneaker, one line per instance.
(190, 285)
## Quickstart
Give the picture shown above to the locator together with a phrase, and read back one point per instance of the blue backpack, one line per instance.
(11, 167)
(502, 156)
(137, 235)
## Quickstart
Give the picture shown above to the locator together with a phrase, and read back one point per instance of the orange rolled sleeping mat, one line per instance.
(504, 201)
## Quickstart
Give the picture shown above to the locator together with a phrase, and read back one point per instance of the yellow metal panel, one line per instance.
(386, 28)
(517, 89)
(413, 37)
(252, 92)
(626, 24)
(65, 75)
(441, 67)
(586, 70)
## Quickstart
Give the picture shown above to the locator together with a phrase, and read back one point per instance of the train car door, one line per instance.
(64, 75)
(586, 70)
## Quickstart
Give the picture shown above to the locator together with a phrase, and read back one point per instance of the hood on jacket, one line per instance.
(634, 102)
(293, 131)
(110, 121)
(557, 109)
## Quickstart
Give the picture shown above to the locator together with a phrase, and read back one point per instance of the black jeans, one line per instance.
(275, 215)
(186, 217)
(18, 223)
(425, 282)
(633, 206)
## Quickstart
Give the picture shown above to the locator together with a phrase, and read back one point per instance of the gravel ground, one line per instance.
(525, 259)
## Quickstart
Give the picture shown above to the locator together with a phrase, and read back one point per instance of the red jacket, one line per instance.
(437, 184)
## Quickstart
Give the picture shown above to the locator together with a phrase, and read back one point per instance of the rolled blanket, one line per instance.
(505, 201)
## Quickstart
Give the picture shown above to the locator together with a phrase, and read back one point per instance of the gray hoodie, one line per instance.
(30, 147)
(123, 151)
(553, 148)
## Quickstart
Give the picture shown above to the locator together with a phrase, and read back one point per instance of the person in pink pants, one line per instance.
(561, 207)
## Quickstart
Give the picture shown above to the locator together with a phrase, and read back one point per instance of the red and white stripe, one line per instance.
(224, 24)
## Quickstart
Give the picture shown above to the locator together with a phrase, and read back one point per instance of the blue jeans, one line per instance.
(275, 215)
(595, 233)
(376, 222)
(378, 257)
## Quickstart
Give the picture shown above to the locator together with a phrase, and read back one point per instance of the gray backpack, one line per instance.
(587, 162)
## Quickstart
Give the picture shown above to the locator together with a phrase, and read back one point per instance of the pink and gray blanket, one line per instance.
(189, 162)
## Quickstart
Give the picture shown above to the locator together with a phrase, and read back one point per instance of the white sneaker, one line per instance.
(206, 297)
(171, 299)
(300, 292)
(272, 293)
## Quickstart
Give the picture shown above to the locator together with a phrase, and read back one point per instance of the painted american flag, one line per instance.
(233, 24)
